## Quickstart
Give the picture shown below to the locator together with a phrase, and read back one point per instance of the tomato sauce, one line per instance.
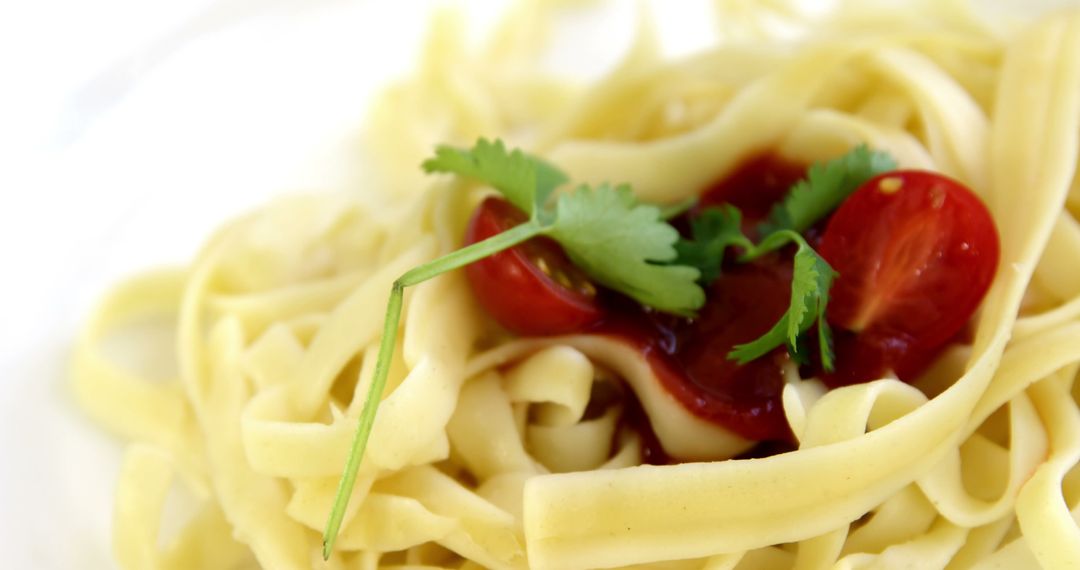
(916, 303)
(754, 188)
(690, 356)
(635, 418)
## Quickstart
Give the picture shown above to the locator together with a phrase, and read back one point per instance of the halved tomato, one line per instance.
(531, 288)
(916, 252)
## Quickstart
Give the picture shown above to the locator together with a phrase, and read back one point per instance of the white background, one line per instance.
(128, 131)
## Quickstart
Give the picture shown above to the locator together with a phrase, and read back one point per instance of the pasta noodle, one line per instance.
(486, 452)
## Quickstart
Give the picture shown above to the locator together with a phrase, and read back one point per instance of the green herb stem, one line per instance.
(676, 209)
(812, 277)
(772, 242)
(454, 260)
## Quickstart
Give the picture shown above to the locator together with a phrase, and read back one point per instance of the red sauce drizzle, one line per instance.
(689, 357)
(634, 417)
(754, 187)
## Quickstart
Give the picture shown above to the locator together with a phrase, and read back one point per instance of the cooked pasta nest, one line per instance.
(485, 452)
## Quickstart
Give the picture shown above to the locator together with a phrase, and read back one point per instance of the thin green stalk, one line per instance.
(772, 242)
(812, 277)
(419, 274)
(678, 208)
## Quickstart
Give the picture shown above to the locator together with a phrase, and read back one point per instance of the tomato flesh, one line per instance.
(915, 252)
(532, 288)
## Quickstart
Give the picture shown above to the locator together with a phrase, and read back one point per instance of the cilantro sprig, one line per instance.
(623, 244)
(720, 228)
(714, 231)
(826, 186)
(525, 180)
(811, 280)
(616, 240)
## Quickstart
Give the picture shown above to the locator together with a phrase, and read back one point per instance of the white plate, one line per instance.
(128, 133)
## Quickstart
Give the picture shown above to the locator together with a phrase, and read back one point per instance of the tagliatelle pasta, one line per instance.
(485, 451)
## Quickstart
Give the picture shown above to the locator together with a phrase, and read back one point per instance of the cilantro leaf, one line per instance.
(525, 180)
(811, 279)
(713, 231)
(615, 240)
(826, 186)
(825, 340)
(624, 244)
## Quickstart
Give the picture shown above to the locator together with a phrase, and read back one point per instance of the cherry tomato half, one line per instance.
(532, 288)
(916, 252)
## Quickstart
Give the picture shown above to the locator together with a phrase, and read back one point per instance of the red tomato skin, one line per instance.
(513, 290)
(915, 252)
